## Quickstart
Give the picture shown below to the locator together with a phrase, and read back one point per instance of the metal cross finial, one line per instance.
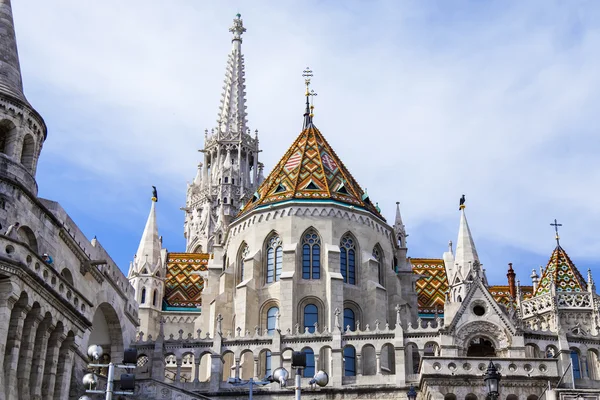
(307, 74)
(556, 225)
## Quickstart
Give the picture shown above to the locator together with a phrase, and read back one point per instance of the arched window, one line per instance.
(274, 259)
(154, 297)
(311, 317)
(267, 363)
(575, 364)
(225, 200)
(379, 259)
(272, 320)
(309, 370)
(348, 259)
(27, 152)
(245, 250)
(349, 319)
(65, 273)
(226, 181)
(311, 255)
(143, 297)
(349, 361)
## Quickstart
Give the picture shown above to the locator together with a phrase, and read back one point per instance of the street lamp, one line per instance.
(412, 393)
(127, 380)
(492, 380)
(279, 375)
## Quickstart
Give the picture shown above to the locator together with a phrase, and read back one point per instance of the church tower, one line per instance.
(147, 274)
(22, 129)
(230, 172)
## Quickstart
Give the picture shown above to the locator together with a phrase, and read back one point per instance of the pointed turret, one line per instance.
(147, 257)
(560, 273)
(11, 82)
(399, 227)
(465, 254)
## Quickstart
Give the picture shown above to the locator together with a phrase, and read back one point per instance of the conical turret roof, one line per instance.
(310, 171)
(11, 82)
(563, 273)
(149, 249)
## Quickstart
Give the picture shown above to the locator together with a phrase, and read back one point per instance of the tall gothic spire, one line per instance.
(232, 112)
(149, 249)
(399, 227)
(11, 82)
(465, 247)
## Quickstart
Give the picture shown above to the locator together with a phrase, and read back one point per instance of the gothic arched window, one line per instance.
(348, 259)
(143, 297)
(274, 259)
(154, 297)
(575, 363)
(377, 255)
(272, 320)
(309, 370)
(311, 255)
(311, 317)
(349, 319)
(244, 251)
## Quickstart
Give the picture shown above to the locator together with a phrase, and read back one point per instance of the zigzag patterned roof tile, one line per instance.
(183, 288)
(432, 287)
(310, 170)
(563, 273)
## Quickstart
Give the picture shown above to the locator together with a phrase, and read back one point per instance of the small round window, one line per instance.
(479, 310)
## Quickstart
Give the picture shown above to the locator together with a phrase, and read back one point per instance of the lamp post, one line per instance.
(492, 380)
(279, 375)
(90, 380)
(412, 393)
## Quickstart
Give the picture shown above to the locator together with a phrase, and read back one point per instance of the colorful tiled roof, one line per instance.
(310, 170)
(563, 273)
(182, 288)
(501, 293)
(432, 288)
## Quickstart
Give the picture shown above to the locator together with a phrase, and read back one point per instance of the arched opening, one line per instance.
(143, 296)
(593, 361)
(27, 236)
(532, 350)
(349, 361)
(242, 255)
(349, 320)
(368, 359)
(7, 137)
(512, 397)
(228, 365)
(27, 152)
(107, 332)
(264, 358)
(65, 273)
(470, 396)
(311, 318)
(532, 397)
(481, 347)
(247, 365)
(272, 320)
(450, 396)
(551, 352)
(274, 259)
(388, 359)
(576, 363)
(309, 370)
(348, 259)
(431, 349)
(378, 256)
(412, 358)
(154, 297)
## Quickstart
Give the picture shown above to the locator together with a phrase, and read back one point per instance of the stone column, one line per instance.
(400, 366)
(256, 367)
(178, 371)
(216, 372)
(337, 372)
(52, 354)
(11, 355)
(30, 328)
(378, 363)
(358, 363)
(316, 356)
(584, 366)
(6, 306)
(39, 360)
(64, 370)
(237, 368)
(197, 368)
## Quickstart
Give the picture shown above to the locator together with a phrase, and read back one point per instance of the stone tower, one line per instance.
(230, 172)
(22, 129)
(147, 275)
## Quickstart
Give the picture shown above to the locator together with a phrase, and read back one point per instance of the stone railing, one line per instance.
(20, 256)
(574, 300)
(537, 305)
(452, 366)
(563, 300)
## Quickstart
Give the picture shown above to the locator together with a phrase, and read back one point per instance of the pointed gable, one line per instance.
(310, 170)
(563, 273)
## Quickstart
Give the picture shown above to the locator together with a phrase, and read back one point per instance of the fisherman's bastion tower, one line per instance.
(300, 261)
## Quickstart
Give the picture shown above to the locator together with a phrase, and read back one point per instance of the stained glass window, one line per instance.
(274, 259)
(311, 317)
(347, 259)
(311, 256)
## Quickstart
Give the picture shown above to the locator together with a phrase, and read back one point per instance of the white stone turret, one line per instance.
(399, 228)
(147, 274)
(229, 174)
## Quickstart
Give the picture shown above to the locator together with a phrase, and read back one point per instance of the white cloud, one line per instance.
(423, 102)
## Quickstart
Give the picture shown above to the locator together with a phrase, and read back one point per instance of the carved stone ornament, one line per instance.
(485, 329)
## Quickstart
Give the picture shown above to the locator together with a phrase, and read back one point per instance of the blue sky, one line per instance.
(423, 101)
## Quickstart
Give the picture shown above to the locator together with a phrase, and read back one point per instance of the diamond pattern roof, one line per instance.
(310, 170)
(182, 287)
(432, 287)
(563, 273)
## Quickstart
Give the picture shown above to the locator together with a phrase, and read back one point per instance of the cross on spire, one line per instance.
(308, 114)
(556, 225)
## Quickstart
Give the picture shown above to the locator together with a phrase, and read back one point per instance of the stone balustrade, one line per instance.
(513, 367)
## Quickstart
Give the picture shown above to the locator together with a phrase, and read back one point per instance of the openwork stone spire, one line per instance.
(232, 118)
(11, 82)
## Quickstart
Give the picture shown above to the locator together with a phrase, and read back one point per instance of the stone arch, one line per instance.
(532, 350)
(368, 360)
(349, 244)
(8, 136)
(107, 332)
(593, 360)
(388, 359)
(551, 351)
(532, 397)
(228, 359)
(310, 254)
(63, 372)
(512, 397)
(471, 396)
(412, 359)
(431, 349)
(449, 396)
(324, 363)
(28, 152)
(350, 360)
(66, 273)
(26, 235)
(481, 329)
(355, 308)
(264, 314)
(380, 261)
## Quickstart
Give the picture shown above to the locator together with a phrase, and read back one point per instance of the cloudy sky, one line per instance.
(423, 101)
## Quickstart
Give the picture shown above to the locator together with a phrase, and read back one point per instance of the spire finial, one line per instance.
(154, 194)
(238, 28)
(308, 113)
(556, 225)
